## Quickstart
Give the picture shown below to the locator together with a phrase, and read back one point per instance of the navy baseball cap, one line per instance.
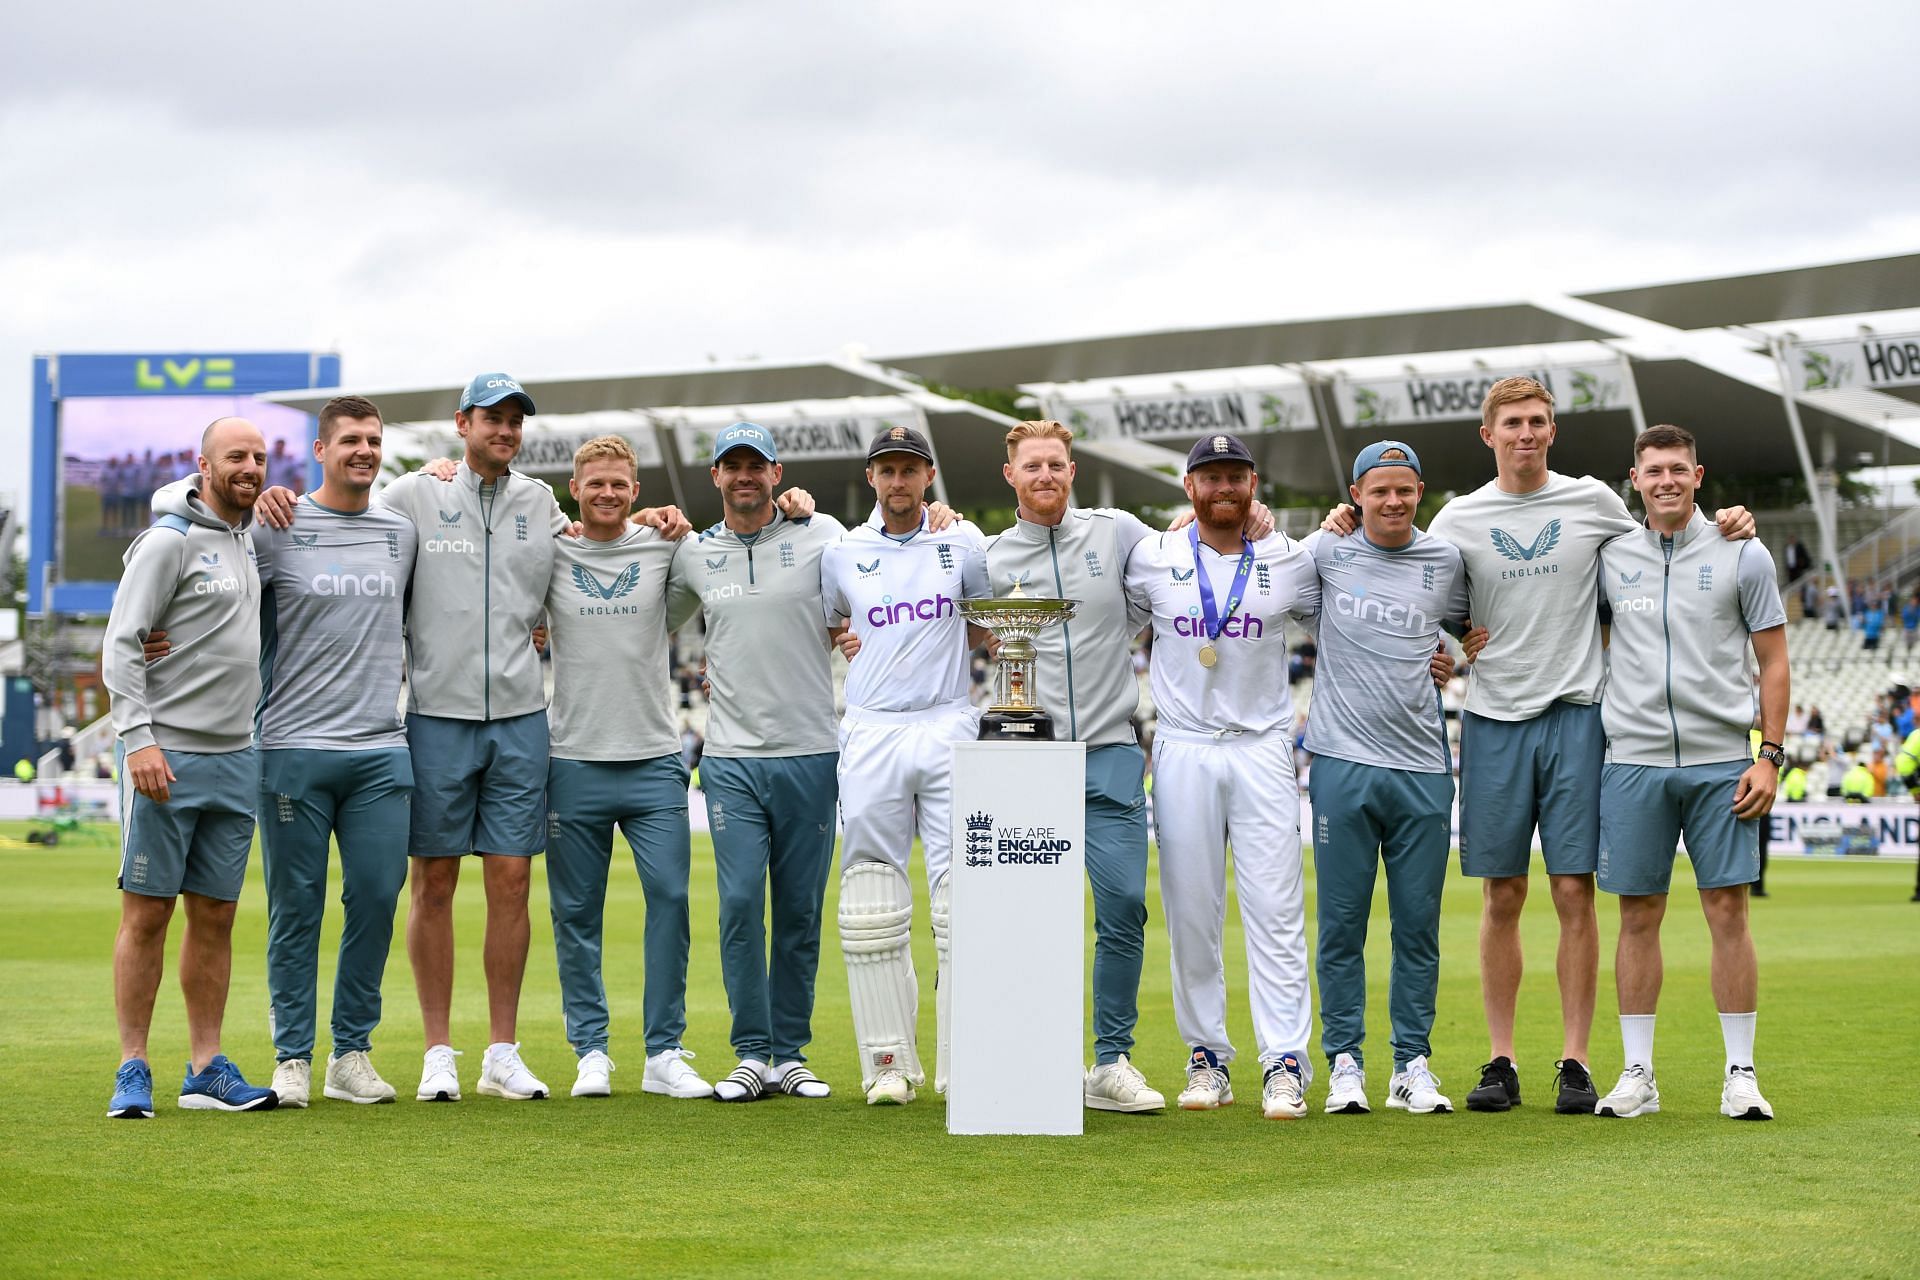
(490, 389)
(900, 440)
(1218, 449)
(1375, 455)
(744, 435)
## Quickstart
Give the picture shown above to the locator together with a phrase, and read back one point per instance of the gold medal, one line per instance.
(1209, 655)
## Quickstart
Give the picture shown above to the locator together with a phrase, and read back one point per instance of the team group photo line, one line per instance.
(1626, 686)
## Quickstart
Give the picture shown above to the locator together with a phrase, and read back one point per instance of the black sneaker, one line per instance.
(1577, 1096)
(1499, 1087)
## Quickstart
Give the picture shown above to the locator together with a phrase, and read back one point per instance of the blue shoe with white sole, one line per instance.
(132, 1091)
(221, 1087)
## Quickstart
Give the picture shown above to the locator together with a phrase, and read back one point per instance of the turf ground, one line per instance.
(786, 1187)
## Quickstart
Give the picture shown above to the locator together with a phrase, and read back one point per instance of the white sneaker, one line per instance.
(1635, 1095)
(1347, 1088)
(1283, 1093)
(595, 1078)
(1208, 1085)
(351, 1078)
(668, 1073)
(1416, 1090)
(1119, 1086)
(503, 1075)
(439, 1082)
(890, 1088)
(1740, 1096)
(293, 1082)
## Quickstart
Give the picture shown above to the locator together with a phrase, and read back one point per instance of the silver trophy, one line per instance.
(1015, 619)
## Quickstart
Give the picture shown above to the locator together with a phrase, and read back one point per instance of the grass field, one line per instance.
(786, 1187)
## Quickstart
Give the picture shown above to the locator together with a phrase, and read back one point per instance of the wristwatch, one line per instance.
(1773, 753)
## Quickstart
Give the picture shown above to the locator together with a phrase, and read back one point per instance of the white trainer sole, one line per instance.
(598, 1089)
(202, 1102)
(668, 1091)
(1647, 1108)
(341, 1095)
(489, 1089)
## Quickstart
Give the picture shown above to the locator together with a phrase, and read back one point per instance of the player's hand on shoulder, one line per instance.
(941, 516)
(795, 504)
(274, 507)
(155, 647)
(1735, 523)
(441, 469)
(672, 525)
(1340, 520)
(1259, 521)
(1181, 520)
(150, 773)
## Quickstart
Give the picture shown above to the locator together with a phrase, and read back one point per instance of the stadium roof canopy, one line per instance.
(1696, 352)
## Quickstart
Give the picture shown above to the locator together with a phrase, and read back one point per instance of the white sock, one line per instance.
(1736, 1029)
(1636, 1038)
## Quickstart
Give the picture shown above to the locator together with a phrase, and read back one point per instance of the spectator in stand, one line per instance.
(1809, 597)
(1910, 617)
(1880, 732)
(1903, 716)
(1878, 767)
(1797, 720)
(1872, 622)
(1856, 598)
(1796, 559)
(1816, 723)
(1856, 784)
(1830, 612)
(1823, 780)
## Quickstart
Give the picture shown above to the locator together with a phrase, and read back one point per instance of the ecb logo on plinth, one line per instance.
(979, 840)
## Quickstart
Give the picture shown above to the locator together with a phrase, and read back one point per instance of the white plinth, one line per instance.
(1019, 938)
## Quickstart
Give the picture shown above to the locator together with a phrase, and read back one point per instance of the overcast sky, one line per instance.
(439, 189)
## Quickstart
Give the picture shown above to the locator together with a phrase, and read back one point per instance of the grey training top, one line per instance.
(1680, 682)
(769, 678)
(479, 585)
(332, 628)
(1084, 671)
(1381, 610)
(606, 609)
(191, 575)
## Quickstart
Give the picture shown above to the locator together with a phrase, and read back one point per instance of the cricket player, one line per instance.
(1531, 738)
(616, 763)
(188, 776)
(1692, 615)
(334, 762)
(1084, 677)
(896, 586)
(770, 768)
(1224, 773)
(1382, 780)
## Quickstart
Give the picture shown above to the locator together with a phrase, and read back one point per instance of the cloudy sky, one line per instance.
(436, 189)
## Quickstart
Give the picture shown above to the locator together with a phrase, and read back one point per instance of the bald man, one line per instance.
(188, 777)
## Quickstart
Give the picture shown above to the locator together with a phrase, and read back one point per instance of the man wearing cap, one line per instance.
(896, 586)
(1382, 781)
(769, 770)
(1224, 772)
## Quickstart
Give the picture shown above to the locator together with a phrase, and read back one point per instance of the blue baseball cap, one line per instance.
(490, 389)
(1375, 455)
(744, 435)
(1218, 449)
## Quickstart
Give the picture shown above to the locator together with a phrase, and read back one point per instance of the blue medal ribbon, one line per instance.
(1210, 614)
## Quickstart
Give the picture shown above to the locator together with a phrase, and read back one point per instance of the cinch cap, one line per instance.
(490, 389)
(1218, 449)
(1374, 455)
(744, 435)
(900, 440)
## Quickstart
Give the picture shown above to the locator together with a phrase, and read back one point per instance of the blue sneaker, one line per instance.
(132, 1091)
(221, 1087)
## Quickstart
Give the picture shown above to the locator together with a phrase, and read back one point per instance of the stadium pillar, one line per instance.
(1816, 491)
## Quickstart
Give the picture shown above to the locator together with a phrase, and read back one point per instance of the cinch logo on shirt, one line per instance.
(212, 586)
(335, 583)
(449, 544)
(1357, 603)
(1238, 627)
(931, 609)
(1634, 604)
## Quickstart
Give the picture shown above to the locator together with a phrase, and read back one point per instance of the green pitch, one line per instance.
(785, 1187)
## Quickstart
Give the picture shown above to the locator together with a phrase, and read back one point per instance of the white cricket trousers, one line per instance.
(1208, 794)
(896, 775)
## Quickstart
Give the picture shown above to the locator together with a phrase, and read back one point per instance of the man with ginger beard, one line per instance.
(1223, 773)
